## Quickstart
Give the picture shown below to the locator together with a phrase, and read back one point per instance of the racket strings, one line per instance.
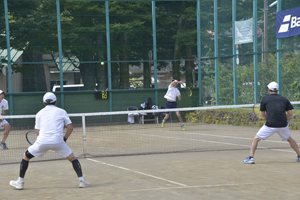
(31, 137)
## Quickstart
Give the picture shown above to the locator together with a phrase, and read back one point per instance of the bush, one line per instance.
(234, 118)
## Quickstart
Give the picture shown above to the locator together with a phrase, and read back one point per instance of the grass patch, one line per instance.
(236, 117)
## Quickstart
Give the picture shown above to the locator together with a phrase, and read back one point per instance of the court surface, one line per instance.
(212, 174)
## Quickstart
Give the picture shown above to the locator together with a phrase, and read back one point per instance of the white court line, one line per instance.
(283, 142)
(197, 186)
(156, 177)
(232, 144)
(242, 138)
(178, 138)
(187, 187)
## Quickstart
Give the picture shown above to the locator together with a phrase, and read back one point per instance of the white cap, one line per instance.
(1, 91)
(273, 86)
(49, 97)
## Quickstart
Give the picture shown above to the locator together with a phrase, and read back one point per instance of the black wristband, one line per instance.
(65, 139)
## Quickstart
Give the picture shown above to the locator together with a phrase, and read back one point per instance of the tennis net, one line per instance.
(215, 128)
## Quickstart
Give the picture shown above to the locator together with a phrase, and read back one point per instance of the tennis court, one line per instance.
(204, 162)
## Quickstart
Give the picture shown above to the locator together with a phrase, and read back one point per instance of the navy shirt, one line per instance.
(275, 106)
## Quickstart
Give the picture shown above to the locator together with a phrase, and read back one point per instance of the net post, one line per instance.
(83, 135)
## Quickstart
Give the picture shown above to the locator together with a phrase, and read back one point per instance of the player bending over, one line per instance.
(49, 124)
(171, 95)
(279, 110)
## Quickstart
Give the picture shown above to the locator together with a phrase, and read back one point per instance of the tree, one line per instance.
(27, 26)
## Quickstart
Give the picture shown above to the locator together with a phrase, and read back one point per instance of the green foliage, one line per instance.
(33, 27)
(290, 78)
(136, 83)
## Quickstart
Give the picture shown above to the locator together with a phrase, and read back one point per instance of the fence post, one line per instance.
(83, 135)
(279, 54)
(255, 50)
(61, 75)
(234, 57)
(216, 51)
(199, 54)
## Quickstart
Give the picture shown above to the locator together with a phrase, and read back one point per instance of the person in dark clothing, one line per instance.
(276, 109)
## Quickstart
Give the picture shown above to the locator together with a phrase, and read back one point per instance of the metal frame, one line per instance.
(9, 63)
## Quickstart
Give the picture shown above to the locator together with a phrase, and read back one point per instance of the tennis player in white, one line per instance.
(3, 122)
(276, 109)
(49, 124)
(171, 95)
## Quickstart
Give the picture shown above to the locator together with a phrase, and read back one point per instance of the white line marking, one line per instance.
(248, 139)
(178, 138)
(234, 137)
(197, 186)
(156, 177)
(232, 144)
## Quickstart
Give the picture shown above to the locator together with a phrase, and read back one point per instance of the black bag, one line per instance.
(148, 103)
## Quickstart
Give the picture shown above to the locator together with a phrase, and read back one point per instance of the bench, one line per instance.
(148, 117)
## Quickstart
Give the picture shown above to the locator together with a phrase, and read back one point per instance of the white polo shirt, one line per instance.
(172, 93)
(50, 121)
(3, 106)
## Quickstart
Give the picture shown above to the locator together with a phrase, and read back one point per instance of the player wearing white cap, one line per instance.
(276, 109)
(171, 95)
(3, 122)
(49, 124)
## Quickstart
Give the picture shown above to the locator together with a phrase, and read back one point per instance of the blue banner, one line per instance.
(288, 23)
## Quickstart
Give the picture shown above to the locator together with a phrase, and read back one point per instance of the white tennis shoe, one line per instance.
(249, 160)
(18, 185)
(83, 184)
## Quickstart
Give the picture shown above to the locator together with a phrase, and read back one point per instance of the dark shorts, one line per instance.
(170, 104)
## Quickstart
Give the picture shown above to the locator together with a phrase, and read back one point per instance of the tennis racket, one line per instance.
(188, 90)
(31, 137)
(256, 110)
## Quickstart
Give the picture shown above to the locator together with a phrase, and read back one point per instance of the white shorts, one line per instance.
(265, 132)
(3, 122)
(39, 149)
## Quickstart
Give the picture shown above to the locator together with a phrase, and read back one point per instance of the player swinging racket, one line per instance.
(279, 110)
(49, 124)
(171, 95)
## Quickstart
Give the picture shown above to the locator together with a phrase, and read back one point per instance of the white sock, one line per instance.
(181, 124)
(81, 179)
(163, 120)
(21, 180)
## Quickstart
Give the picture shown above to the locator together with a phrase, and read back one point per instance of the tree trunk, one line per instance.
(101, 72)
(147, 75)
(101, 77)
(87, 71)
(176, 65)
(124, 67)
(124, 75)
(177, 53)
(114, 72)
(33, 75)
(188, 67)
